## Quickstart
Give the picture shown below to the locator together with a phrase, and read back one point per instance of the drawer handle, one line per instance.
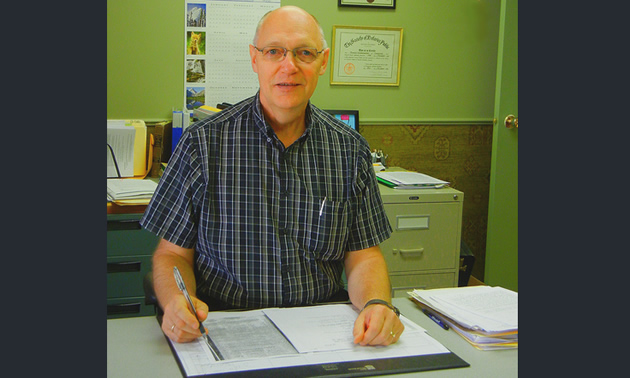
(123, 308)
(124, 267)
(123, 225)
(409, 252)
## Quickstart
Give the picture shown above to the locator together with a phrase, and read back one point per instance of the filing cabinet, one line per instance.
(129, 251)
(423, 250)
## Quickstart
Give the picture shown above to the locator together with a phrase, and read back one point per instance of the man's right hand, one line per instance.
(179, 323)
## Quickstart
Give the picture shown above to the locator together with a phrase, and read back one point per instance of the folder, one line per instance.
(128, 139)
(178, 127)
(485, 316)
(158, 147)
(139, 148)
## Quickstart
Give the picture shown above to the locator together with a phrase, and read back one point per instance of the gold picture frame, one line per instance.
(365, 55)
(368, 3)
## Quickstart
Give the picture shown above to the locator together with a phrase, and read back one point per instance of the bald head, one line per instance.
(290, 12)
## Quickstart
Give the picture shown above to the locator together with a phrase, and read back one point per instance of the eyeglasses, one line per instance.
(277, 54)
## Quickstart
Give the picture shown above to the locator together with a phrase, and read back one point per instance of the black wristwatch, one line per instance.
(385, 303)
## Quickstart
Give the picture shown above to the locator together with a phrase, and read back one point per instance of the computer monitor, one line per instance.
(349, 117)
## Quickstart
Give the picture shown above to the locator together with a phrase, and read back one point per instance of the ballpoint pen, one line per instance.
(321, 209)
(204, 332)
(439, 321)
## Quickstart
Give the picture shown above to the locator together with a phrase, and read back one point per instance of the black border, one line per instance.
(355, 113)
(393, 6)
(362, 368)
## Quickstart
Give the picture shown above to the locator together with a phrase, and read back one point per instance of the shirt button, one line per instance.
(268, 140)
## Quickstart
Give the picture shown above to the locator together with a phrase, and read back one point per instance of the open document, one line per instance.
(315, 337)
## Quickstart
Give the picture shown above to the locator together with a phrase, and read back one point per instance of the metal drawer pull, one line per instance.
(409, 252)
(124, 267)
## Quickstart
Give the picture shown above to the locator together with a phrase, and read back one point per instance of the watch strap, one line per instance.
(384, 303)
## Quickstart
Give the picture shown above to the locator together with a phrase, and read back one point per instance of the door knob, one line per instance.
(511, 122)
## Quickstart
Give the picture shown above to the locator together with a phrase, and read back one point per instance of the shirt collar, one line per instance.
(267, 131)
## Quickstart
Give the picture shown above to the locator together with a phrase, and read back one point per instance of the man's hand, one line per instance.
(377, 325)
(179, 323)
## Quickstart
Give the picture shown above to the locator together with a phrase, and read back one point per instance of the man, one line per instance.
(265, 203)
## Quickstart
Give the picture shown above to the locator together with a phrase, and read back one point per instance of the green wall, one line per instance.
(145, 61)
(448, 66)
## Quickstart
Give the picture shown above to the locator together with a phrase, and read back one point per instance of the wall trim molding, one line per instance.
(426, 121)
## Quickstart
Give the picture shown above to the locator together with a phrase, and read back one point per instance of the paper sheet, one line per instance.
(328, 331)
(229, 334)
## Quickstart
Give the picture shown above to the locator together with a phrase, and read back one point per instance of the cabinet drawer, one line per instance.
(401, 284)
(125, 275)
(128, 307)
(126, 238)
(426, 236)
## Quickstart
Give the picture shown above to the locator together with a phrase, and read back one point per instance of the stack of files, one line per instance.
(409, 180)
(130, 191)
(485, 316)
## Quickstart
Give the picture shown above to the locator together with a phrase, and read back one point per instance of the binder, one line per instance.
(178, 127)
(158, 147)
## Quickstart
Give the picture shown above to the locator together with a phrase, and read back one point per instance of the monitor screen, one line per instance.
(349, 117)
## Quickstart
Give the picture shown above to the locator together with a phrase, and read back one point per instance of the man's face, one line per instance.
(289, 84)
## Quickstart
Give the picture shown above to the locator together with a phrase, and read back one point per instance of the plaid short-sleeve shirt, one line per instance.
(269, 225)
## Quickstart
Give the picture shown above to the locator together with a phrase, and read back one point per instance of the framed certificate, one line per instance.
(366, 55)
(368, 3)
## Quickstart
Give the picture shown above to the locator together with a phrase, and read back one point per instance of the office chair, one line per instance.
(151, 299)
(149, 293)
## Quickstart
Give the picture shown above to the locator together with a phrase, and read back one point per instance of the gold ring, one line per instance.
(393, 334)
(173, 328)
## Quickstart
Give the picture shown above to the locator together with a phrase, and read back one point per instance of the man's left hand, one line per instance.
(377, 325)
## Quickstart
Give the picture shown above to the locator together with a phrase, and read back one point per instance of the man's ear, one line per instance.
(326, 54)
(253, 54)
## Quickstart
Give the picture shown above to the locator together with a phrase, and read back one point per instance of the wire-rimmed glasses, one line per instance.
(277, 53)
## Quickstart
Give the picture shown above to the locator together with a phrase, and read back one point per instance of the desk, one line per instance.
(136, 347)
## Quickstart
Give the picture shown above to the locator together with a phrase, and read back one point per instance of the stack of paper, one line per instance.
(486, 317)
(409, 180)
(130, 191)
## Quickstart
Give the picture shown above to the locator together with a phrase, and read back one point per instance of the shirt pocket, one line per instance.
(325, 231)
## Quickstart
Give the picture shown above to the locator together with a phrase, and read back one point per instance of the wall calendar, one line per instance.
(217, 36)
